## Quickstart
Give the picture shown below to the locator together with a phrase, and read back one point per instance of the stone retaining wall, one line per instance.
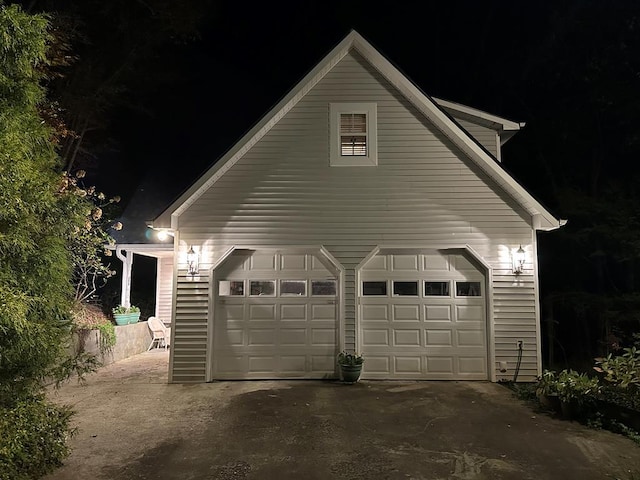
(130, 340)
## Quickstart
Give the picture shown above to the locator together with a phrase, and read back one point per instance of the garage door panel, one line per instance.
(323, 312)
(406, 338)
(262, 363)
(293, 363)
(407, 263)
(439, 365)
(375, 337)
(262, 337)
(438, 338)
(406, 312)
(322, 363)
(375, 313)
(323, 336)
(263, 262)
(293, 312)
(297, 261)
(293, 337)
(470, 338)
(472, 365)
(233, 312)
(408, 364)
(470, 313)
(262, 312)
(233, 337)
(231, 363)
(437, 312)
(436, 263)
(379, 262)
(378, 364)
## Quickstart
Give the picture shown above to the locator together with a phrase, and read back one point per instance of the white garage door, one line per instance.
(423, 316)
(275, 317)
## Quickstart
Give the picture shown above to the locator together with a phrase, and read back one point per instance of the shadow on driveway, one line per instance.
(133, 425)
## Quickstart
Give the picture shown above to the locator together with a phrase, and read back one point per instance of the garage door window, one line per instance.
(231, 288)
(405, 289)
(436, 289)
(323, 288)
(296, 288)
(259, 288)
(374, 288)
(468, 289)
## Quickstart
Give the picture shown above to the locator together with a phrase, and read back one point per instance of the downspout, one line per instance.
(127, 265)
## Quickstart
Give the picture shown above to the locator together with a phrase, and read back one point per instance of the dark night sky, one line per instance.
(482, 54)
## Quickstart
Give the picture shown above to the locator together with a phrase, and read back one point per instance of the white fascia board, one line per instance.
(170, 215)
(487, 119)
(155, 250)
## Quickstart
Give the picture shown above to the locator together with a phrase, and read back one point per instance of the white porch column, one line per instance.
(127, 266)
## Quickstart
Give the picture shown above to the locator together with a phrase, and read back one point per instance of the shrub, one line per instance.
(623, 370)
(34, 439)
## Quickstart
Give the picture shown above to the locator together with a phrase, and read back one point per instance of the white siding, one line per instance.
(163, 288)
(421, 194)
(486, 137)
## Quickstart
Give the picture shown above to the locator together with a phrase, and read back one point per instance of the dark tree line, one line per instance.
(579, 152)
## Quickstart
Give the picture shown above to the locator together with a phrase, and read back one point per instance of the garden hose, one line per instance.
(515, 375)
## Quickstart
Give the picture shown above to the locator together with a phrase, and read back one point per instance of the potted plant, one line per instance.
(121, 315)
(577, 392)
(350, 366)
(547, 391)
(134, 314)
(126, 315)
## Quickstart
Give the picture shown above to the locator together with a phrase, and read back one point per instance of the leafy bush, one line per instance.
(34, 439)
(577, 387)
(622, 370)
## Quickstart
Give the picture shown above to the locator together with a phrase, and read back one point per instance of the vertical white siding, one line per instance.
(421, 194)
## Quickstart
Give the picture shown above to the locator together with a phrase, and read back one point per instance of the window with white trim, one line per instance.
(353, 134)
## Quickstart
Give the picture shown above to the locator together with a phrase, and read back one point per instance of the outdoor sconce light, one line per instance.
(192, 261)
(519, 258)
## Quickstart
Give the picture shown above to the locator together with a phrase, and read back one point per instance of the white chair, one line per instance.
(160, 334)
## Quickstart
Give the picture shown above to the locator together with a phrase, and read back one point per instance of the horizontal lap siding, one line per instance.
(485, 136)
(283, 192)
(165, 285)
(190, 327)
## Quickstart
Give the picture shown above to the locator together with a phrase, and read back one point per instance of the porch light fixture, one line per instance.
(192, 261)
(519, 258)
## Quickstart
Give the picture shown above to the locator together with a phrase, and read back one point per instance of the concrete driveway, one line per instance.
(133, 425)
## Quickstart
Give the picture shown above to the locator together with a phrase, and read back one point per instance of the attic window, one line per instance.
(353, 134)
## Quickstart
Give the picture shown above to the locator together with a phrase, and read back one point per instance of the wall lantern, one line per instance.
(519, 258)
(192, 261)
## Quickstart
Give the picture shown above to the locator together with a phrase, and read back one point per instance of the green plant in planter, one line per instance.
(350, 366)
(120, 310)
(547, 390)
(350, 359)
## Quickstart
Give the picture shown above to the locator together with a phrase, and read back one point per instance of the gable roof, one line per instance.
(542, 219)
